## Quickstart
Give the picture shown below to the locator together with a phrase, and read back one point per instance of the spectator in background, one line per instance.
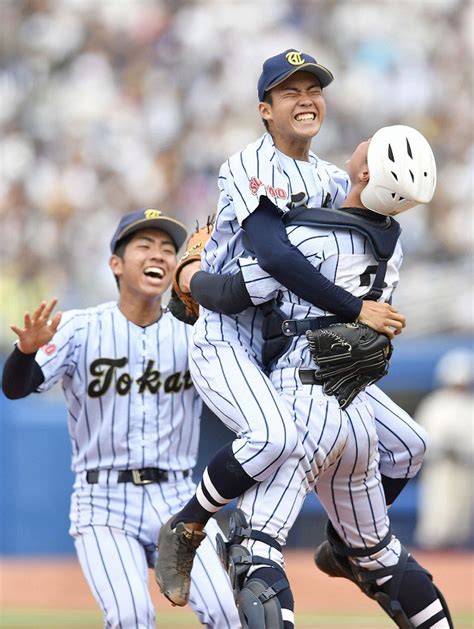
(446, 489)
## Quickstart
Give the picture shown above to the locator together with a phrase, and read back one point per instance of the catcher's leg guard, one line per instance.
(333, 558)
(256, 600)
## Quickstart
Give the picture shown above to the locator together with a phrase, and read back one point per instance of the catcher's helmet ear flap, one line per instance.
(402, 171)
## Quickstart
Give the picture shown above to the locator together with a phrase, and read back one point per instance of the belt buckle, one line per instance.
(137, 478)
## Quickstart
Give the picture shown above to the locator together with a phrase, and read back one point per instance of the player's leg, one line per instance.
(270, 508)
(115, 567)
(210, 595)
(232, 384)
(360, 539)
(402, 443)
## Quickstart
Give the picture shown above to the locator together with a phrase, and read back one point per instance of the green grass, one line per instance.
(67, 619)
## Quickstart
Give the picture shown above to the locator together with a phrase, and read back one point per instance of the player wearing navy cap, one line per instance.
(133, 419)
(257, 186)
(391, 174)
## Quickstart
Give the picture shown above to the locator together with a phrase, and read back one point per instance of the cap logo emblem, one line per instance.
(294, 58)
(152, 213)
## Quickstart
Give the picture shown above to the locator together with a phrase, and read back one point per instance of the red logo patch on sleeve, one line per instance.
(48, 349)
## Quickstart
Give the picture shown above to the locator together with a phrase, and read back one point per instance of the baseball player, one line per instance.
(351, 489)
(133, 418)
(266, 179)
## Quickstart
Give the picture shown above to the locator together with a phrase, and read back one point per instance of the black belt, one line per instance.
(138, 477)
(297, 327)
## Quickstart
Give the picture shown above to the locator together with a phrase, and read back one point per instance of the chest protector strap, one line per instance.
(382, 233)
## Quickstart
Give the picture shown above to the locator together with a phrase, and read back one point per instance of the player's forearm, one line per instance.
(287, 264)
(21, 375)
(226, 294)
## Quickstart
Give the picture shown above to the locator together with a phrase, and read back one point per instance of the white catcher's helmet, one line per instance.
(402, 171)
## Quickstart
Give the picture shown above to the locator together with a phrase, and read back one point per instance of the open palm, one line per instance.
(38, 328)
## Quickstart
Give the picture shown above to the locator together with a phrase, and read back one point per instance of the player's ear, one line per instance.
(364, 175)
(116, 264)
(265, 110)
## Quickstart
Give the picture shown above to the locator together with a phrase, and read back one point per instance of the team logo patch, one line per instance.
(48, 349)
(152, 213)
(295, 58)
(255, 185)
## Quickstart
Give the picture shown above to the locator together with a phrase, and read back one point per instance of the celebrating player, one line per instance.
(133, 422)
(266, 179)
(342, 244)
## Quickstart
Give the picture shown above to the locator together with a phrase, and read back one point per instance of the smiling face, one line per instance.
(295, 113)
(145, 268)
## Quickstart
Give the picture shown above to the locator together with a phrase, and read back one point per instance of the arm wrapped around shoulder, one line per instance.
(350, 356)
(182, 305)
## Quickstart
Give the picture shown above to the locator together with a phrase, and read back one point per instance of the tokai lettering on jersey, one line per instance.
(105, 368)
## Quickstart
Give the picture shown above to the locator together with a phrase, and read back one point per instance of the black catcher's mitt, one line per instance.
(350, 356)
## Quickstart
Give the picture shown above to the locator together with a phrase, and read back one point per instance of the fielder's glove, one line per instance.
(182, 305)
(350, 356)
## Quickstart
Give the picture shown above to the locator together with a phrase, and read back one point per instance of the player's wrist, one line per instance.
(26, 348)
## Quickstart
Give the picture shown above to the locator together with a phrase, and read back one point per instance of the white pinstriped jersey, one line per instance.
(343, 256)
(260, 169)
(131, 402)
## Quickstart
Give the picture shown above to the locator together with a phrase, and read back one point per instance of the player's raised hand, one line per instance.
(38, 329)
(382, 317)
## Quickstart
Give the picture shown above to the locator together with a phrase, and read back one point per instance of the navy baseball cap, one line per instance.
(278, 68)
(146, 219)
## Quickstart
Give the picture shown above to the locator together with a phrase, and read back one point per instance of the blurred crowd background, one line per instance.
(111, 105)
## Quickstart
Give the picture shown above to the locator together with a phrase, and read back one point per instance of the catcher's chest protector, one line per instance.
(382, 235)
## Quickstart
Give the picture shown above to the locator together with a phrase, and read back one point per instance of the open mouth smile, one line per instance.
(154, 272)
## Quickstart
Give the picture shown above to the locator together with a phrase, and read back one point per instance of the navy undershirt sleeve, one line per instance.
(226, 294)
(283, 261)
(21, 375)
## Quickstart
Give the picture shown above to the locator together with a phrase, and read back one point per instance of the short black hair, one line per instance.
(120, 252)
(267, 98)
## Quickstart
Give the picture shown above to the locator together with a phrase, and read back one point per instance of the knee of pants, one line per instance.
(279, 444)
(418, 449)
(407, 457)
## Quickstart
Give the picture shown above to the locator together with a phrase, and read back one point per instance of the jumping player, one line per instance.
(266, 179)
(133, 417)
(342, 245)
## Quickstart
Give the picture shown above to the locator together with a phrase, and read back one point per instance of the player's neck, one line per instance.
(297, 149)
(353, 198)
(142, 312)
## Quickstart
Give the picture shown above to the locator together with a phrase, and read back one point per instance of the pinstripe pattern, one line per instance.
(131, 404)
(346, 473)
(341, 256)
(235, 388)
(115, 559)
(129, 425)
(260, 169)
(225, 351)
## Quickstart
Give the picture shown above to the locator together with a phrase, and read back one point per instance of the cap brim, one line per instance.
(324, 76)
(171, 226)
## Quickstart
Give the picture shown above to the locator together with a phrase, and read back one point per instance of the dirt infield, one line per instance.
(50, 586)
